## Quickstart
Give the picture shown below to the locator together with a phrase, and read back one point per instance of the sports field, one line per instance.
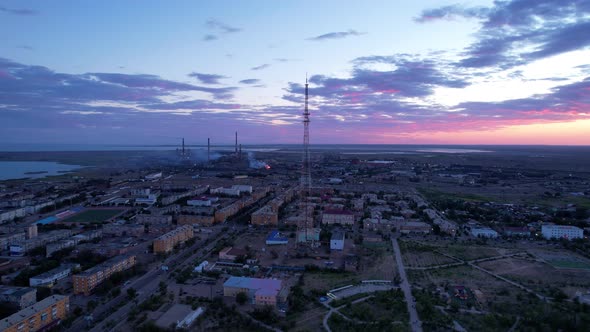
(94, 215)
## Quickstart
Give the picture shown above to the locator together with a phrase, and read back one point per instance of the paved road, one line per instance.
(145, 285)
(149, 282)
(415, 322)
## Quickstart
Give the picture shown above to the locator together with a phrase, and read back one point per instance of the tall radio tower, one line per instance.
(307, 226)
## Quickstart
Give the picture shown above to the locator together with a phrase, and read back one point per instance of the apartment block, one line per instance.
(86, 281)
(166, 242)
(40, 316)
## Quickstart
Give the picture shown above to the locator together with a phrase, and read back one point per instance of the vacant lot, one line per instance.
(388, 307)
(488, 291)
(94, 215)
(540, 277)
(472, 252)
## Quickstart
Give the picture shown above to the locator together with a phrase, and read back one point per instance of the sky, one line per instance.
(379, 72)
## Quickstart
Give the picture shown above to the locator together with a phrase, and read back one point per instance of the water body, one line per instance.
(32, 169)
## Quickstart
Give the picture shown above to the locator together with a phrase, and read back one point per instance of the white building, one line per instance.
(50, 277)
(337, 241)
(483, 232)
(199, 201)
(153, 176)
(561, 232)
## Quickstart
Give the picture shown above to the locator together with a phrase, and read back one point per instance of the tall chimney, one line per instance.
(183, 146)
(208, 149)
(236, 143)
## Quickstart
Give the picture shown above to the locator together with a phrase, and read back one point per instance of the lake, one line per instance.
(32, 169)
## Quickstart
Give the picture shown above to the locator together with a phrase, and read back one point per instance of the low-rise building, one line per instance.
(517, 231)
(153, 219)
(188, 219)
(561, 232)
(17, 297)
(259, 291)
(199, 201)
(231, 254)
(276, 238)
(52, 276)
(166, 242)
(337, 241)
(487, 232)
(42, 315)
(342, 217)
(86, 281)
(414, 227)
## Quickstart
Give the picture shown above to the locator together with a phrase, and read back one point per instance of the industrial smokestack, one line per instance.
(208, 149)
(236, 143)
(183, 146)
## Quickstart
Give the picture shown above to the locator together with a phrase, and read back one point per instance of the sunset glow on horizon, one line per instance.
(429, 72)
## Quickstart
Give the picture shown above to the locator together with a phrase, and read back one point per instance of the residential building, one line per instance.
(561, 232)
(153, 219)
(259, 291)
(342, 217)
(86, 281)
(166, 242)
(264, 216)
(230, 253)
(195, 219)
(52, 276)
(487, 232)
(199, 201)
(337, 241)
(414, 227)
(42, 315)
(517, 231)
(17, 297)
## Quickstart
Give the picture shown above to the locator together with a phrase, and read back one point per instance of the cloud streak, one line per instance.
(261, 67)
(207, 78)
(336, 35)
(19, 11)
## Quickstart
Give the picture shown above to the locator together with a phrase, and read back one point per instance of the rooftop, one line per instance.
(29, 311)
(261, 286)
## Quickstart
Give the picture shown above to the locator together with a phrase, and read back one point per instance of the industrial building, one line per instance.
(42, 315)
(17, 297)
(276, 238)
(561, 232)
(337, 241)
(86, 281)
(166, 242)
(259, 291)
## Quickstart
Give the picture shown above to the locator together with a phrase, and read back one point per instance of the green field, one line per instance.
(99, 215)
(569, 264)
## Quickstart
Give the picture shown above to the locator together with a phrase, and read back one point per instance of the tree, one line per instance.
(131, 292)
(241, 298)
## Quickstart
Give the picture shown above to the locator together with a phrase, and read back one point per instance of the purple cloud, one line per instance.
(220, 26)
(261, 67)
(207, 78)
(509, 29)
(452, 12)
(250, 81)
(210, 37)
(336, 35)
